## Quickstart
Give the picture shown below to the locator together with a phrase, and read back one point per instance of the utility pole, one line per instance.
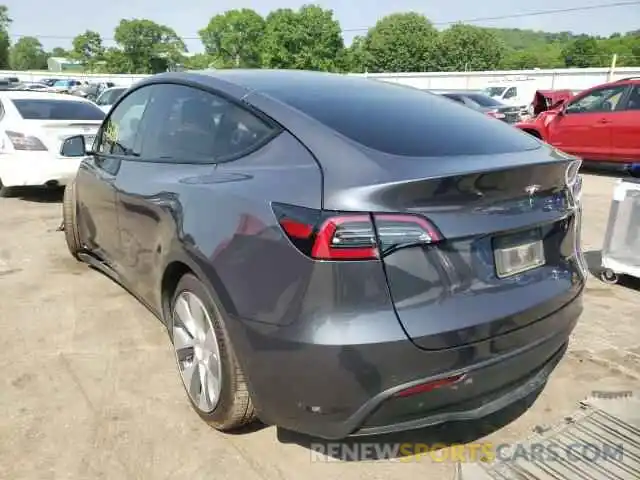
(612, 68)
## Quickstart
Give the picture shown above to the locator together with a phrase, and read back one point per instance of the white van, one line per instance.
(516, 93)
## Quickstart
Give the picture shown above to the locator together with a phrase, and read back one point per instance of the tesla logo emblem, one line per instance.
(531, 191)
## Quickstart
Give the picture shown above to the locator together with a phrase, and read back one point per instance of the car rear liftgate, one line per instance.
(489, 253)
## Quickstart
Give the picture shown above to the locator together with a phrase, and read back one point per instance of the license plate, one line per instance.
(518, 253)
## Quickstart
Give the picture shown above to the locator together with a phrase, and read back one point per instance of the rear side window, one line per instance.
(37, 109)
(188, 125)
(400, 120)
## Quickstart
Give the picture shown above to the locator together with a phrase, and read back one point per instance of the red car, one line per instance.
(601, 124)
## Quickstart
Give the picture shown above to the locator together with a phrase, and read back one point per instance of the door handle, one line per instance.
(603, 121)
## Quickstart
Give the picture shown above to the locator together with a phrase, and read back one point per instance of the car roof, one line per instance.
(276, 83)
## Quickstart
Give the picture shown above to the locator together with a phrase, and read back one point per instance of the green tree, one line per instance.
(28, 54)
(87, 48)
(355, 58)
(466, 47)
(115, 61)
(59, 52)
(584, 52)
(402, 42)
(5, 43)
(545, 56)
(234, 37)
(201, 61)
(307, 39)
(147, 46)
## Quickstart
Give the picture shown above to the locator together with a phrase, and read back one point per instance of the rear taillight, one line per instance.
(21, 141)
(573, 181)
(430, 386)
(345, 236)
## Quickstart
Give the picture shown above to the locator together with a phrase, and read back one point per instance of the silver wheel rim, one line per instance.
(197, 353)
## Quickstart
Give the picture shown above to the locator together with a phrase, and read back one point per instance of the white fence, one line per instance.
(571, 78)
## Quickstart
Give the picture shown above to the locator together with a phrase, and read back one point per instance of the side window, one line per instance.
(185, 124)
(634, 99)
(601, 100)
(512, 92)
(119, 133)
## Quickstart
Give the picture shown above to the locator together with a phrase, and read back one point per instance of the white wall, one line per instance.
(573, 78)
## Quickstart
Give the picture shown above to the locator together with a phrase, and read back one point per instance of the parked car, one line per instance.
(543, 100)
(49, 81)
(91, 91)
(601, 124)
(109, 97)
(64, 85)
(29, 86)
(485, 104)
(333, 254)
(33, 126)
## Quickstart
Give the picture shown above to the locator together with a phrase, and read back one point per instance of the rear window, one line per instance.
(32, 109)
(483, 100)
(399, 120)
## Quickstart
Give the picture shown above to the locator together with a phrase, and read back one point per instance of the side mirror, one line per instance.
(74, 147)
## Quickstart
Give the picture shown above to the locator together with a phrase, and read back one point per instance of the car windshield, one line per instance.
(484, 100)
(38, 109)
(62, 83)
(494, 91)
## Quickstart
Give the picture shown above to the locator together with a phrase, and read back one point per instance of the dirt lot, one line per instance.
(90, 389)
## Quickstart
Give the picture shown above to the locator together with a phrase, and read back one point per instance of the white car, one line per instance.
(33, 126)
(108, 97)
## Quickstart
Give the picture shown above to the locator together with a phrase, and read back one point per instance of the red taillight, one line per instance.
(429, 386)
(333, 236)
(20, 141)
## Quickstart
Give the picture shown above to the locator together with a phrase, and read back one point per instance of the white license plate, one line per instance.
(518, 253)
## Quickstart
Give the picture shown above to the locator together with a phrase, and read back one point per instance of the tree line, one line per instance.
(311, 38)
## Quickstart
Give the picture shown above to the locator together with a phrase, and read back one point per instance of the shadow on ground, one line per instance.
(432, 439)
(603, 171)
(38, 194)
(594, 263)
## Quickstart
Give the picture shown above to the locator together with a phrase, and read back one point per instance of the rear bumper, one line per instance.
(36, 168)
(336, 391)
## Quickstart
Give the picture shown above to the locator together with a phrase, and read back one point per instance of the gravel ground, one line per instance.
(90, 389)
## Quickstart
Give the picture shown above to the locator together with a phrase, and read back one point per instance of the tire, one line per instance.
(233, 407)
(5, 191)
(609, 277)
(69, 216)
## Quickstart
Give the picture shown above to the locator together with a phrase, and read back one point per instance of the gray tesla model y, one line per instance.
(333, 254)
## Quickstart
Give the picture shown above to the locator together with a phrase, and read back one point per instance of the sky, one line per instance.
(56, 23)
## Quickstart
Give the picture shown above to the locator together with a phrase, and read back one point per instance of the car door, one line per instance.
(625, 129)
(96, 189)
(184, 133)
(583, 127)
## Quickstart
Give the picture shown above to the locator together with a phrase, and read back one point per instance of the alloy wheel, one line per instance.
(197, 353)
